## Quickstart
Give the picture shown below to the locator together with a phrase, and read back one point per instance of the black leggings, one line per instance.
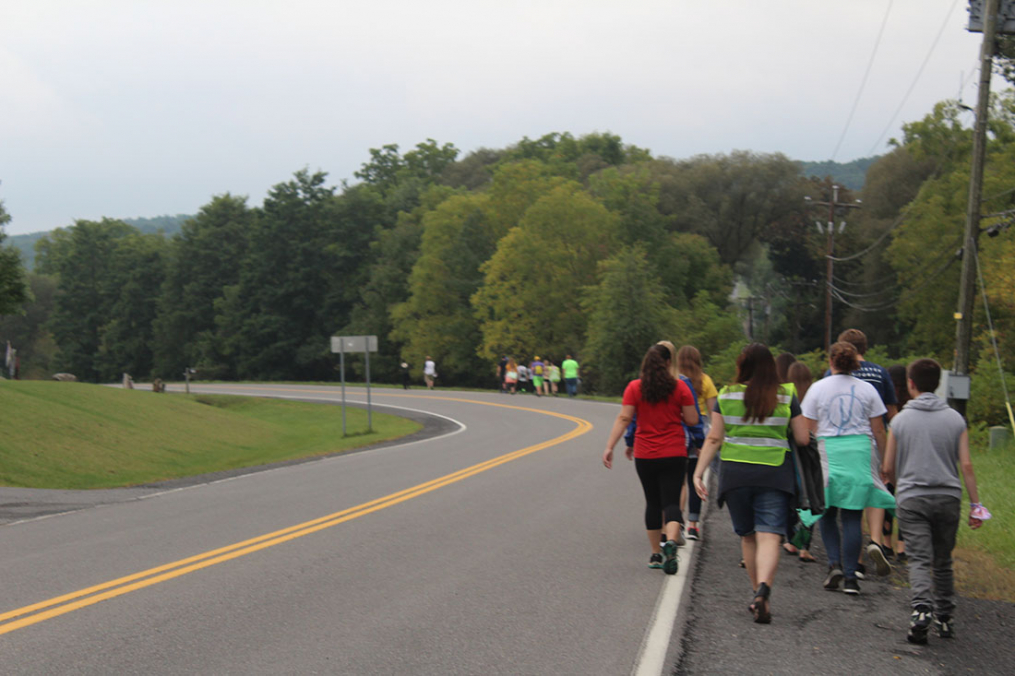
(661, 479)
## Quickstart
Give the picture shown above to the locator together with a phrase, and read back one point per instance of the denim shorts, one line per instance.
(757, 509)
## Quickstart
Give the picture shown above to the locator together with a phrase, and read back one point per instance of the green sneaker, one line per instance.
(670, 563)
(655, 561)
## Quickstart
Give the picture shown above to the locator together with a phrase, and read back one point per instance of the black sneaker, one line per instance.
(861, 571)
(851, 587)
(878, 558)
(834, 578)
(655, 561)
(692, 533)
(919, 623)
(945, 626)
(670, 563)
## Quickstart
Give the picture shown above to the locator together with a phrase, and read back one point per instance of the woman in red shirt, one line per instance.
(662, 404)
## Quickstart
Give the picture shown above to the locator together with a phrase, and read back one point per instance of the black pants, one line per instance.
(661, 479)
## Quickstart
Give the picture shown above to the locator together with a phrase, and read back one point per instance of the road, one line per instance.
(501, 546)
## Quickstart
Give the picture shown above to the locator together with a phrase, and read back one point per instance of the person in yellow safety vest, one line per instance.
(751, 422)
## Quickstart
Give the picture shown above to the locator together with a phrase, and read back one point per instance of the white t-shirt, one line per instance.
(429, 368)
(842, 405)
(523, 372)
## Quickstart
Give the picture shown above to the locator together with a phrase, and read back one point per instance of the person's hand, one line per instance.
(608, 458)
(699, 486)
(884, 477)
(629, 452)
(975, 523)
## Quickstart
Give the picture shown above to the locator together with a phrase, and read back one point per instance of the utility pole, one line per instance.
(967, 285)
(832, 205)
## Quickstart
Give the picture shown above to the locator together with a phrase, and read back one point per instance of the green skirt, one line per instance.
(852, 474)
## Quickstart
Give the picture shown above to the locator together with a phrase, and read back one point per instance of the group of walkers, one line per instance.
(541, 377)
(753, 430)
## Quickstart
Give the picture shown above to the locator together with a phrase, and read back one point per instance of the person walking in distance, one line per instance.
(570, 369)
(799, 376)
(928, 445)
(502, 373)
(751, 422)
(554, 376)
(537, 368)
(845, 414)
(429, 372)
(663, 405)
(689, 365)
(406, 376)
(511, 375)
(523, 378)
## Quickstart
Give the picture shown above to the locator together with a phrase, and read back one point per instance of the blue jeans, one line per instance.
(756, 509)
(572, 386)
(848, 555)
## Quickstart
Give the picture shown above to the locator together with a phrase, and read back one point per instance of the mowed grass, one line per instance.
(985, 558)
(78, 436)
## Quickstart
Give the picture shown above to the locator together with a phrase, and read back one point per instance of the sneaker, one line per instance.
(681, 540)
(877, 557)
(851, 587)
(945, 626)
(919, 623)
(861, 571)
(670, 563)
(692, 533)
(655, 561)
(833, 579)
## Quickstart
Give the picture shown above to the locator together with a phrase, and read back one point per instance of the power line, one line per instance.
(863, 82)
(903, 296)
(916, 79)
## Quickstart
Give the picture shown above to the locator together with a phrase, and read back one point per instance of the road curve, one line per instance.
(502, 546)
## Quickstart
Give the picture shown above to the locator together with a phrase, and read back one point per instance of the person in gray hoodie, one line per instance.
(926, 449)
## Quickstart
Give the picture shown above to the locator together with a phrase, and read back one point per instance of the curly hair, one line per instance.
(657, 383)
(844, 357)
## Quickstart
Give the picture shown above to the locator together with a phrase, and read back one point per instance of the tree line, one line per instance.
(553, 245)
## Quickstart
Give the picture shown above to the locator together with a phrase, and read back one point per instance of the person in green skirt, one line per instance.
(845, 414)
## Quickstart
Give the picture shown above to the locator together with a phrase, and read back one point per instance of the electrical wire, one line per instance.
(898, 221)
(916, 79)
(863, 82)
(903, 296)
(993, 338)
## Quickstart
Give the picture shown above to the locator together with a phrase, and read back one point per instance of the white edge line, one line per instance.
(651, 660)
(339, 455)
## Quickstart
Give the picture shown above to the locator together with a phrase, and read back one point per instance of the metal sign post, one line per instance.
(367, 344)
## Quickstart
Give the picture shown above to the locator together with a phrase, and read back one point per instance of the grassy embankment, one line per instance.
(77, 436)
(985, 558)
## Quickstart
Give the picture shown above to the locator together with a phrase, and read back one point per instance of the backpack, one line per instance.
(695, 433)
(539, 370)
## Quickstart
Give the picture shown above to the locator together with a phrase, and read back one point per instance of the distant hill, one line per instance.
(167, 225)
(850, 174)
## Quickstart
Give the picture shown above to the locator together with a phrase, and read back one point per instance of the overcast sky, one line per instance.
(150, 107)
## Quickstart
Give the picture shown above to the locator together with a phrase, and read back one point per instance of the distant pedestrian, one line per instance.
(429, 372)
(537, 368)
(799, 376)
(689, 366)
(752, 421)
(511, 375)
(406, 376)
(523, 378)
(569, 367)
(501, 372)
(927, 448)
(553, 377)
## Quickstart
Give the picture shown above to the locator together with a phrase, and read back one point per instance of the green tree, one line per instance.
(437, 318)
(203, 260)
(627, 312)
(13, 289)
(80, 257)
(526, 305)
(27, 331)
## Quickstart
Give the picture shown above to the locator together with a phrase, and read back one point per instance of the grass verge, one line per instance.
(985, 558)
(78, 436)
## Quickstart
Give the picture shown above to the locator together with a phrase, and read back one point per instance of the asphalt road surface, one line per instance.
(498, 546)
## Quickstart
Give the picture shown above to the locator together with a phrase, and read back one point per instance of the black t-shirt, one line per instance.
(739, 474)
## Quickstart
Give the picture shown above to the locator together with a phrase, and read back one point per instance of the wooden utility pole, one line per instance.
(967, 285)
(832, 205)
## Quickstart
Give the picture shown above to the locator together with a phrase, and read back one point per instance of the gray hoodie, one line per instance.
(927, 436)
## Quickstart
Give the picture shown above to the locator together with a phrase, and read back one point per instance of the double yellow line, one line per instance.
(61, 605)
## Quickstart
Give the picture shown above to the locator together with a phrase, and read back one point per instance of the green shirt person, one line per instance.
(570, 368)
